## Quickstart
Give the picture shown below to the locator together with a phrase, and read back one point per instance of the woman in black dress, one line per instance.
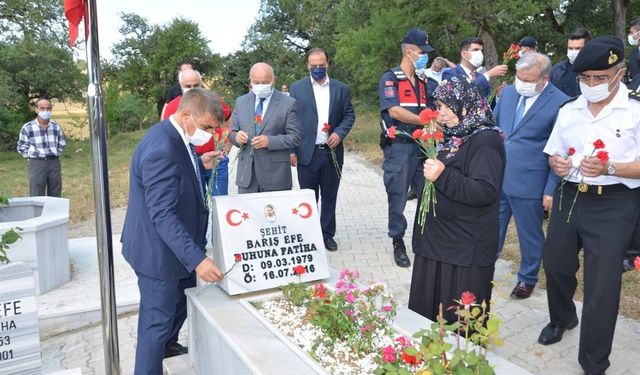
(456, 252)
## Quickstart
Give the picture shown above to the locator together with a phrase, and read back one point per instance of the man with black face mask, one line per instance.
(597, 207)
(326, 117)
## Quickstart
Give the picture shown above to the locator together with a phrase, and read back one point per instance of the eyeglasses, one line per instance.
(598, 79)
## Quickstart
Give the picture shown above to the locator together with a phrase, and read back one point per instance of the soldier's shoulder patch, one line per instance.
(634, 95)
(569, 101)
(389, 83)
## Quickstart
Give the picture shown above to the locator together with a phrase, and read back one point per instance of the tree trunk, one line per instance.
(619, 17)
(490, 52)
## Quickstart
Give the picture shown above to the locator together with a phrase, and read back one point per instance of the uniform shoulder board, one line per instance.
(634, 95)
(569, 101)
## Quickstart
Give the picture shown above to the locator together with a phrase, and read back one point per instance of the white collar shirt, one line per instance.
(469, 74)
(322, 96)
(617, 125)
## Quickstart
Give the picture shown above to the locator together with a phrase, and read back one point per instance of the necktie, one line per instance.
(474, 75)
(258, 113)
(519, 112)
(194, 157)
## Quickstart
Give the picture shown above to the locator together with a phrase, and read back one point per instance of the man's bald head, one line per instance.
(189, 79)
(261, 73)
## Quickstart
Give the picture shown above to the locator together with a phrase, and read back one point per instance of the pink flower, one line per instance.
(365, 328)
(389, 354)
(349, 297)
(387, 308)
(348, 312)
(404, 341)
(355, 274)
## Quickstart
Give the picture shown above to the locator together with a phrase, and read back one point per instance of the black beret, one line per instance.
(599, 53)
(419, 38)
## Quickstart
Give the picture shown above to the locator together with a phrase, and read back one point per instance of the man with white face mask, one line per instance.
(526, 113)
(633, 38)
(471, 59)
(166, 222)
(562, 75)
(265, 126)
(593, 134)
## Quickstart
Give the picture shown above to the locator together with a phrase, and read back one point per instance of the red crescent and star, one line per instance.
(230, 217)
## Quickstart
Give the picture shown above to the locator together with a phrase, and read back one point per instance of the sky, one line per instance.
(223, 22)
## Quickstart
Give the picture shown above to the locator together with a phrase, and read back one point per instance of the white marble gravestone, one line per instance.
(19, 337)
(272, 233)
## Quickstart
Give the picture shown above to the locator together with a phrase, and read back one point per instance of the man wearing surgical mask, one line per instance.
(526, 112)
(634, 59)
(471, 59)
(562, 75)
(265, 126)
(601, 128)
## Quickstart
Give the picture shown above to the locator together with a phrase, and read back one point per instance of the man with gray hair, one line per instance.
(526, 113)
(164, 229)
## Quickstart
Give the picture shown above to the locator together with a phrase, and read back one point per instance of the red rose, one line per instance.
(571, 151)
(326, 127)
(636, 263)
(439, 136)
(467, 298)
(603, 156)
(237, 257)
(298, 270)
(409, 359)
(598, 144)
(416, 133)
(427, 115)
(391, 132)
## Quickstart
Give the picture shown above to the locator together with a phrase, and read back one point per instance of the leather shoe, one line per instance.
(330, 244)
(522, 290)
(175, 349)
(552, 333)
(627, 265)
(400, 253)
(593, 373)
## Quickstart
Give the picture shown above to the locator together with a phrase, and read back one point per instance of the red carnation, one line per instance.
(571, 151)
(298, 270)
(258, 119)
(603, 156)
(237, 257)
(467, 298)
(598, 144)
(320, 291)
(427, 115)
(391, 132)
(409, 359)
(438, 136)
(326, 127)
(416, 133)
(636, 263)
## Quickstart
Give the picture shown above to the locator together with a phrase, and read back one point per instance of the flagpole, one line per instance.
(101, 195)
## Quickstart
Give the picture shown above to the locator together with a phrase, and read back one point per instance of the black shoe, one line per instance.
(593, 373)
(175, 349)
(627, 265)
(400, 254)
(552, 333)
(330, 244)
(522, 290)
(411, 195)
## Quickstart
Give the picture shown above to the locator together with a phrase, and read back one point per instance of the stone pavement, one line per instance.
(363, 245)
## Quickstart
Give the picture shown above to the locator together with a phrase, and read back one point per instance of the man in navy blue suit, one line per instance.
(326, 117)
(471, 59)
(166, 221)
(526, 113)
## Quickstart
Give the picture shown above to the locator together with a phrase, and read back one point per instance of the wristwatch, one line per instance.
(611, 169)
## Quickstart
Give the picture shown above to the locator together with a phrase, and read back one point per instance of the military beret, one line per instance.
(419, 38)
(599, 53)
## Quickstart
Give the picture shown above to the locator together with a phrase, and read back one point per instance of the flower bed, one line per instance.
(348, 330)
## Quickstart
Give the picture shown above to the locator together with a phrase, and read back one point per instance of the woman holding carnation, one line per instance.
(456, 252)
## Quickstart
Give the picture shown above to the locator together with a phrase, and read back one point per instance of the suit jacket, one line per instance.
(166, 218)
(527, 174)
(481, 81)
(563, 78)
(281, 124)
(635, 82)
(634, 62)
(341, 116)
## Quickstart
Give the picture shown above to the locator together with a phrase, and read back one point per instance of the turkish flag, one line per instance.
(75, 11)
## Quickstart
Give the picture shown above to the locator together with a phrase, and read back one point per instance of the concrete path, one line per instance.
(363, 245)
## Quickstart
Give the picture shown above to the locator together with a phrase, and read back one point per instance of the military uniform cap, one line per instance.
(419, 38)
(599, 53)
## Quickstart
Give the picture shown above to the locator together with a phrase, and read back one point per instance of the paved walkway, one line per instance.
(363, 245)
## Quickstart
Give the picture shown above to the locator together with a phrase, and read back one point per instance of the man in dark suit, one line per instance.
(166, 221)
(634, 58)
(526, 113)
(265, 126)
(471, 59)
(562, 75)
(326, 117)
